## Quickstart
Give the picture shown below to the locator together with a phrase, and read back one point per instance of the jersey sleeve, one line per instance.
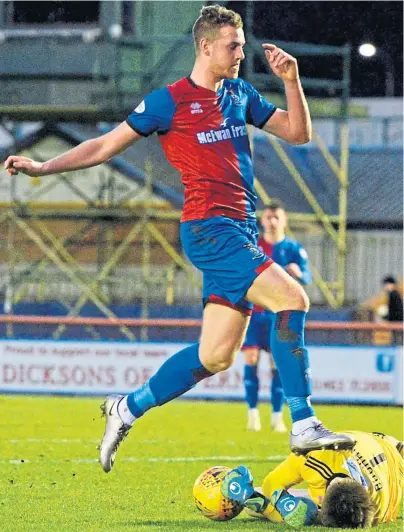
(287, 474)
(153, 114)
(259, 111)
(302, 261)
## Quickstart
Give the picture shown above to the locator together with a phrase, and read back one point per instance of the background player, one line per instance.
(352, 489)
(293, 258)
(202, 125)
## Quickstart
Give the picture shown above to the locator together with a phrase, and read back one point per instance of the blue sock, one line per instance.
(292, 361)
(251, 385)
(300, 408)
(277, 398)
(177, 375)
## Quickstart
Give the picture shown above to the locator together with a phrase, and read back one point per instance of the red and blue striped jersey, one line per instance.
(204, 136)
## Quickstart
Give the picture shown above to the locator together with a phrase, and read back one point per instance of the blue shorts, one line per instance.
(226, 252)
(259, 330)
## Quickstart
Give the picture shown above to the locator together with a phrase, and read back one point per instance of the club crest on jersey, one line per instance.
(196, 108)
(257, 253)
(235, 98)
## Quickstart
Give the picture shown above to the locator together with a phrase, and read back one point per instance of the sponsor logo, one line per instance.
(216, 135)
(235, 488)
(385, 362)
(289, 505)
(377, 484)
(196, 108)
(223, 124)
(141, 107)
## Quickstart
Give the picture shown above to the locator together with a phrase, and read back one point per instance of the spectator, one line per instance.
(395, 303)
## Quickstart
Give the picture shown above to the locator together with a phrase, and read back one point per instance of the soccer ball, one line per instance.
(209, 499)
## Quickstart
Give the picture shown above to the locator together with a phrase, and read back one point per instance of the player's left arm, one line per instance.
(300, 268)
(293, 125)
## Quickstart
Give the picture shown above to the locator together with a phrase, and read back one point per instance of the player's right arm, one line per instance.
(89, 153)
(153, 114)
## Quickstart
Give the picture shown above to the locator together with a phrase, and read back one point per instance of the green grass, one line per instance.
(57, 485)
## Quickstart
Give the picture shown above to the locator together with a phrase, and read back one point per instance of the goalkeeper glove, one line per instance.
(237, 484)
(256, 503)
(295, 511)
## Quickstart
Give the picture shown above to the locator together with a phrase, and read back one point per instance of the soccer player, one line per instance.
(202, 122)
(293, 258)
(351, 489)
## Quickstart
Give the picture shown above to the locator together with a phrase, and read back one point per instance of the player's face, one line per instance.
(274, 220)
(227, 52)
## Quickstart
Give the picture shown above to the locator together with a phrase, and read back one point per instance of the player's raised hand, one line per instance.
(282, 64)
(17, 163)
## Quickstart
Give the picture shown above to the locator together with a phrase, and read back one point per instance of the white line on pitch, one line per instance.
(276, 458)
(72, 440)
(49, 440)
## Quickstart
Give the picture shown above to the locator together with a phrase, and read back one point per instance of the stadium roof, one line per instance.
(375, 192)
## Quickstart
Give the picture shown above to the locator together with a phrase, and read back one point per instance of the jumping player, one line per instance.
(293, 258)
(202, 122)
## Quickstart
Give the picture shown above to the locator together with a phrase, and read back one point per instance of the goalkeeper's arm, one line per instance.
(238, 486)
(295, 511)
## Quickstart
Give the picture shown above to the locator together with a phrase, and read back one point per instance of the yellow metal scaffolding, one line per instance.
(28, 224)
(334, 226)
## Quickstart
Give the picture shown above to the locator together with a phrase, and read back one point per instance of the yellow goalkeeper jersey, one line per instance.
(376, 462)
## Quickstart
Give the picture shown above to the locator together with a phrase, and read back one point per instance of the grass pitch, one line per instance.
(51, 481)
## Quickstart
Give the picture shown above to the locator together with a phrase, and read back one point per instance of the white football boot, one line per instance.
(115, 432)
(317, 437)
(253, 420)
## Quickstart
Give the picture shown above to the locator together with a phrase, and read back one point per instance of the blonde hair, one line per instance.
(211, 19)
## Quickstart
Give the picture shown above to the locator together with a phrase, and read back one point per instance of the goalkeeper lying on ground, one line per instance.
(351, 489)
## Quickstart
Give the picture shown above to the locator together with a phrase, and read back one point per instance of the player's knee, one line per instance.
(220, 365)
(297, 300)
(221, 358)
(304, 301)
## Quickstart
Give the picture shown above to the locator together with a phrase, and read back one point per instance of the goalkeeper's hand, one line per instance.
(256, 503)
(295, 511)
(237, 485)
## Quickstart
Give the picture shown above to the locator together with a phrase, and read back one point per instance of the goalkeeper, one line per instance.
(346, 489)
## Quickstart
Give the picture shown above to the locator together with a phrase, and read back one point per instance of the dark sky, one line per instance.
(337, 23)
(331, 22)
